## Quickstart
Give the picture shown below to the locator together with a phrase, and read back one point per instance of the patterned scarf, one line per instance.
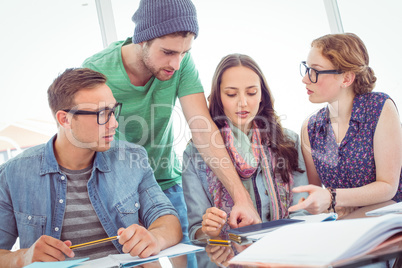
(278, 191)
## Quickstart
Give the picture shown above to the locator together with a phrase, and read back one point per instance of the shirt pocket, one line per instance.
(128, 210)
(30, 228)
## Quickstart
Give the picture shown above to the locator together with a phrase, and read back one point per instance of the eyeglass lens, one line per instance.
(312, 75)
(104, 115)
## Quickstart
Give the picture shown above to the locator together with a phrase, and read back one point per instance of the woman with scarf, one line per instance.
(266, 156)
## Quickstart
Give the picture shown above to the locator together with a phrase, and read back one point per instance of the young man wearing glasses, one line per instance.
(147, 73)
(81, 185)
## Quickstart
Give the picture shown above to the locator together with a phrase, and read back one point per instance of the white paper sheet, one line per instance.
(318, 217)
(117, 259)
(394, 208)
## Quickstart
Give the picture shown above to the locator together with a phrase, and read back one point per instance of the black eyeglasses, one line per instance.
(103, 115)
(313, 73)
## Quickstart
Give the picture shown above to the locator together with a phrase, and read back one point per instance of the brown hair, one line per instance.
(183, 34)
(268, 122)
(63, 89)
(348, 53)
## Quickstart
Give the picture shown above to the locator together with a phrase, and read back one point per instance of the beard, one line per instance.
(159, 73)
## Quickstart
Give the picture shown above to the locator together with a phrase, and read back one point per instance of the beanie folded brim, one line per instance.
(187, 24)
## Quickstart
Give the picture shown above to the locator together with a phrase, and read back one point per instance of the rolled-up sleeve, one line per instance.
(154, 203)
(8, 226)
(195, 189)
(298, 177)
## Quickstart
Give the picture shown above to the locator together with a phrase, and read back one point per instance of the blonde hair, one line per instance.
(348, 53)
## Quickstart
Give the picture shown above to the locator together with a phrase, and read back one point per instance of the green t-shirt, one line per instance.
(146, 116)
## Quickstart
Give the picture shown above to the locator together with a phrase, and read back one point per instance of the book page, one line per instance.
(321, 243)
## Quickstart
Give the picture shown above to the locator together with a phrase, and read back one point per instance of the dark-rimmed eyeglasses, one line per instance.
(313, 73)
(103, 115)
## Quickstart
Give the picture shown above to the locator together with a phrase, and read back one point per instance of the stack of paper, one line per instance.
(394, 208)
(321, 244)
(318, 217)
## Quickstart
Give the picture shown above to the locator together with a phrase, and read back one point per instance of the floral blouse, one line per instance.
(351, 163)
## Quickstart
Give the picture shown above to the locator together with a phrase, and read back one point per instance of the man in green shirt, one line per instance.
(147, 73)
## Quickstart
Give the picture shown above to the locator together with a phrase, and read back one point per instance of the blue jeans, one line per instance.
(176, 197)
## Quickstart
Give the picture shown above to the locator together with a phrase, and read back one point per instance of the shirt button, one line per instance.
(136, 205)
(29, 217)
(56, 229)
(61, 201)
(62, 178)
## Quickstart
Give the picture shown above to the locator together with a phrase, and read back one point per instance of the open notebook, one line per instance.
(125, 260)
(321, 244)
(118, 260)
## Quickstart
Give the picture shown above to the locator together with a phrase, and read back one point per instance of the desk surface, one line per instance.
(218, 256)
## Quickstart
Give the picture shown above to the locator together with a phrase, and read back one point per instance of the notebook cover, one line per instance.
(262, 227)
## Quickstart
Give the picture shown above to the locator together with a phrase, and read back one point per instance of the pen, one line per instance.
(95, 242)
(219, 242)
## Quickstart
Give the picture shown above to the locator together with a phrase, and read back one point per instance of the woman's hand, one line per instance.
(213, 221)
(318, 201)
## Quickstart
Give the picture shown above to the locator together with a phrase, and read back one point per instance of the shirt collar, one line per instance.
(358, 113)
(49, 163)
(358, 110)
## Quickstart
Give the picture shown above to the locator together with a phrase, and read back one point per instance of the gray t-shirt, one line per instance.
(81, 224)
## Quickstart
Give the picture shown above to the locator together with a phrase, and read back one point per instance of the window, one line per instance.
(379, 27)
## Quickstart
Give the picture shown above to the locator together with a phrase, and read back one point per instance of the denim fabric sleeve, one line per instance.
(154, 203)
(8, 226)
(195, 188)
(298, 178)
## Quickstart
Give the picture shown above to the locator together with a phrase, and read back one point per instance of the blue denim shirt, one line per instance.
(195, 185)
(122, 190)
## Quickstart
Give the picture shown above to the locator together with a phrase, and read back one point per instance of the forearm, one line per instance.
(212, 149)
(373, 193)
(167, 231)
(11, 259)
(195, 190)
(208, 140)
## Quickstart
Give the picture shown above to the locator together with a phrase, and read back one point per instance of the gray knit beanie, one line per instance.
(156, 18)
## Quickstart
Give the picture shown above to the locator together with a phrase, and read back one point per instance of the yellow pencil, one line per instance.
(220, 242)
(95, 242)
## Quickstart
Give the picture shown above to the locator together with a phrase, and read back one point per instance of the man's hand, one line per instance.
(243, 214)
(213, 221)
(46, 249)
(138, 241)
(317, 202)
